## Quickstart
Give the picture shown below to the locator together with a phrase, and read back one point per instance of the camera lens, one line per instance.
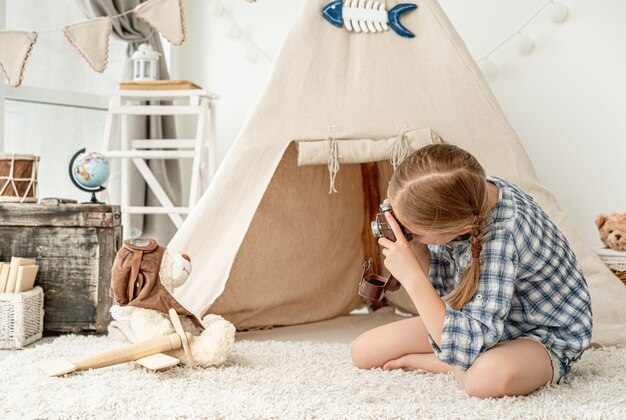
(376, 229)
(385, 207)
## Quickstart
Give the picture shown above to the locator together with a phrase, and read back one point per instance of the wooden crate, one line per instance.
(74, 245)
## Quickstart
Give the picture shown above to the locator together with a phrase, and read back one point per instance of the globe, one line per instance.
(90, 170)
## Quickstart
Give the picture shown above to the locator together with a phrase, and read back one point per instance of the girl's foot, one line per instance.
(415, 361)
(408, 362)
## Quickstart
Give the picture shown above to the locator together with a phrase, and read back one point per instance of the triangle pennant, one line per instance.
(91, 40)
(15, 48)
(166, 16)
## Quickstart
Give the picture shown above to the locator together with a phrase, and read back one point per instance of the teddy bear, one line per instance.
(612, 229)
(143, 278)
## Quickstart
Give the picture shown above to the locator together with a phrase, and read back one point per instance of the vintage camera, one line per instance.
(381, 227)
(372, 286)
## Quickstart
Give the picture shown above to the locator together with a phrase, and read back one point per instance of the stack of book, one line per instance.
(18, 275)
(158, 85)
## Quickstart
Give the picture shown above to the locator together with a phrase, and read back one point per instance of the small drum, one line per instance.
(18, 178)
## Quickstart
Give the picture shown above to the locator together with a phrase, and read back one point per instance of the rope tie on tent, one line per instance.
(333, 162)
(399, 151)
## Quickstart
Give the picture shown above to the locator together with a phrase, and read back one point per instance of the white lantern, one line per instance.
(145, 63)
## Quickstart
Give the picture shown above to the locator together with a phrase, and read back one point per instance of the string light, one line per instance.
(488, 68)
(234, 32)
(252, 54)
(524, 43)
(217, 8)
(558, 12)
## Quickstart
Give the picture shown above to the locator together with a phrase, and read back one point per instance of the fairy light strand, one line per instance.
(519, 31)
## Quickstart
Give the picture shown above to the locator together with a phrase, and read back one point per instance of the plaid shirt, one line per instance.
(530, 284)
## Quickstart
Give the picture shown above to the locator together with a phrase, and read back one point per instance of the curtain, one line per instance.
(134, 31)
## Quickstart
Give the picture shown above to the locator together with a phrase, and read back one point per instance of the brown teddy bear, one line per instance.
(612, 228)
(143, 278)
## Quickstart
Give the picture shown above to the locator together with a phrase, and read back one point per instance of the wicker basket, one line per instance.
(616, 261)
(21, 318)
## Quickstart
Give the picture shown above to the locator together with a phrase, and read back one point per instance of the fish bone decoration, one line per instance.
(367, 16)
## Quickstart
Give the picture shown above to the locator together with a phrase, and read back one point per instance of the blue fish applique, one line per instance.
(367, 16)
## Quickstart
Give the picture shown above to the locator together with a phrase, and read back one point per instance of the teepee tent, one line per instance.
(271, 246)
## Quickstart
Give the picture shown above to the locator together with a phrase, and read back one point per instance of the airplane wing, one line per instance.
(158, 361)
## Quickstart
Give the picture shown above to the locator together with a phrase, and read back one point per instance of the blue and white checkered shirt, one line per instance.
(530, 284)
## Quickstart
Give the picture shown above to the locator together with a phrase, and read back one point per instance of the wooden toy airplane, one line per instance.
(146, 353)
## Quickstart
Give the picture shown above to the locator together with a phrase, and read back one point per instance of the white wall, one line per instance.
(2, 26)
(211, 58)
(566, 100)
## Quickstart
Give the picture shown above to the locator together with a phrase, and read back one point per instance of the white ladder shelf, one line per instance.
(201, 149)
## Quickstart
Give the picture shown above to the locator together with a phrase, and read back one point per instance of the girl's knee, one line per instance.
(488, 379)
(360, 352)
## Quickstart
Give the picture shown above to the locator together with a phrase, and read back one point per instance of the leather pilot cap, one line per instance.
(135, 278)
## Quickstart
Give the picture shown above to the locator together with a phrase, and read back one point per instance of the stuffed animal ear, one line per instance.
(600, 220)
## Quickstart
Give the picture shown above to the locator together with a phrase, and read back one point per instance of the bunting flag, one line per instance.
(91, 40)
(15, 48)
(166, 16)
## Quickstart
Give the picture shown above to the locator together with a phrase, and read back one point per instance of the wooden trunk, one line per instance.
(74, 245)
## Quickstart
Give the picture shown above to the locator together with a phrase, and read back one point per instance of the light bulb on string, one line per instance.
(234, 32)
(558, 12)
(252, 54)
(524, 44)
(217, 8)
(488, 68)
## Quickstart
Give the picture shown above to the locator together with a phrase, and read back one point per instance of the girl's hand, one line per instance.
(400, 259)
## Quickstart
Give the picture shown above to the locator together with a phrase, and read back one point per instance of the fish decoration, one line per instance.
(367, 16)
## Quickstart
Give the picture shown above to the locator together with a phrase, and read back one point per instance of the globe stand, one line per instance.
(93, 191)
(94, 200)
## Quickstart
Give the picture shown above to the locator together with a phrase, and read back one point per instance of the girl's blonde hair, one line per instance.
(442, 189)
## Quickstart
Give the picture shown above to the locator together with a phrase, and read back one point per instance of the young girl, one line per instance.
(503, 303)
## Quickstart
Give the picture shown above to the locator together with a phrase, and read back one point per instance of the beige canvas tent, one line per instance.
(271, 246)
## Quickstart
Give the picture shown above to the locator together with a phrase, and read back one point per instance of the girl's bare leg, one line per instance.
(424, 361)
(516, 367)
(377, 346)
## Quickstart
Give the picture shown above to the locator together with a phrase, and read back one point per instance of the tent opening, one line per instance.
(302, 256)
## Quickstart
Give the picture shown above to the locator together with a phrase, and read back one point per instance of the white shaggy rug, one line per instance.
(289, 380)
